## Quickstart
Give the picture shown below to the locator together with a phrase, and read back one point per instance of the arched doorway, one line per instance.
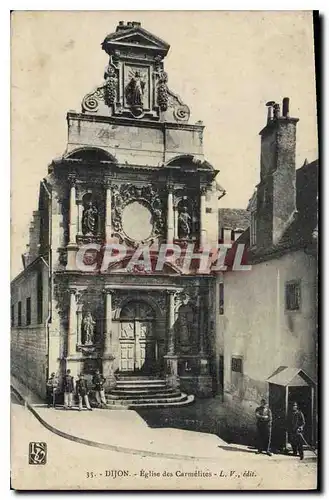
(138, 347)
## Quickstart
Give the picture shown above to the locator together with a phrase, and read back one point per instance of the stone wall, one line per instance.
(29, 341)
(29, 357)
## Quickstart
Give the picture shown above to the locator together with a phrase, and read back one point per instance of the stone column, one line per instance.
(201, 326)
(72, 333)
(204, 380)
(108, 357)
(79, 323)
(170, 216)
(73, 217)
(203, 231)
(171, 322)
(108, 212)
(80, 213)
(171, 359)
(108, 321)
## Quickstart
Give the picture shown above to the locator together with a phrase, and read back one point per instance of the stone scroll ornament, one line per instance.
(106, 92)
(127, 193)
(167, 99)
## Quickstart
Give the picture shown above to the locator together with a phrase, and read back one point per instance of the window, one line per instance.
(19, 314)
(236, 364)
(253, 229)
(12, 315)
(221, 298)
(293, 296)
(39, 298)
(28, 311)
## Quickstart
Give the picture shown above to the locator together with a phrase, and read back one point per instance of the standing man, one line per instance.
(52, 386)
(99, 381)
(296, 426)
(264, 427)
(68, 389)
(82, 392)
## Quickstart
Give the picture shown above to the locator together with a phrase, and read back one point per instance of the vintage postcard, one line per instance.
(164, 251)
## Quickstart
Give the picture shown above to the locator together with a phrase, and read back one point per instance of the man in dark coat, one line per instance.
(68, 389)
(52, 386)
(99, 381)
(264, 427)
(296, 426)
(82, 392)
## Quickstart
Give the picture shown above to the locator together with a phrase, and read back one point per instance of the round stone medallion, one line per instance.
(137, 221)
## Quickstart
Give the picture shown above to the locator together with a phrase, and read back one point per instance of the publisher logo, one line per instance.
(37, 453)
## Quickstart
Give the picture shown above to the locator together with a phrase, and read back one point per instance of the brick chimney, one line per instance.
(276, 192)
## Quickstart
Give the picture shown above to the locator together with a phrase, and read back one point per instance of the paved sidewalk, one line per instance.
(126, 431)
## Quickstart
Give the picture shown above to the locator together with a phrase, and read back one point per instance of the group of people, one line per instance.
(70, 388)
(295, 428)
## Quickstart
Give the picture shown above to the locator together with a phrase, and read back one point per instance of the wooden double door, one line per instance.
(138, 346)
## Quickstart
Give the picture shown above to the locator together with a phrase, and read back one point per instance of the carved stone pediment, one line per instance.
(133, 36)
(135, 84)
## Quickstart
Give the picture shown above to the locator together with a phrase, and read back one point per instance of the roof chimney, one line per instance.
(285, 107)
(276, 192)
(270, 105)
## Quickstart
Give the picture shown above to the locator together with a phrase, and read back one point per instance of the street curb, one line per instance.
(110, 447)
(104, 446)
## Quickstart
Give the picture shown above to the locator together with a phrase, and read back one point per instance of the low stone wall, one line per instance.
(29, 357)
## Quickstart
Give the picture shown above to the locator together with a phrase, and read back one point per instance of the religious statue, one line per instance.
(135, 90)
(184, 224)
(88, 326)
(90, 219)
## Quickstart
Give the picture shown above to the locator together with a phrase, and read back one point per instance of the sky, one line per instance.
(224, 65)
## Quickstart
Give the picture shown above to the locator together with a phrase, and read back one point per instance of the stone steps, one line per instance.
(181, 400)
(141, 383)
(136, 395)
(145, 392)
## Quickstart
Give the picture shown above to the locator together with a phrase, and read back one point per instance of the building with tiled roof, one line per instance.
(268, 314)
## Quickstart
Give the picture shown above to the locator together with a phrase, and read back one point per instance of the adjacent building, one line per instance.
(268, 317)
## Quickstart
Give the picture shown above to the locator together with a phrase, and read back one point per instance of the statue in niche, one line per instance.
(90, 219)
(135, 90)
(88, 328)
(184, 223)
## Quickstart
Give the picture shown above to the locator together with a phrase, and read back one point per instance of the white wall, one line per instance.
(256, 326)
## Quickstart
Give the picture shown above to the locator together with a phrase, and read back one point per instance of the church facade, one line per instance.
(133, 176)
